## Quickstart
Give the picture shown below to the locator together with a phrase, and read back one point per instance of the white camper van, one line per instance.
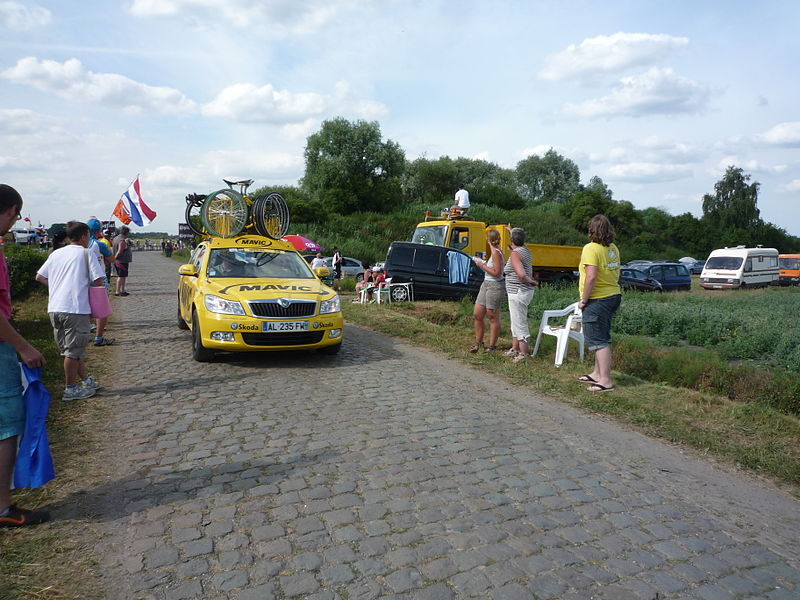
(740, 267)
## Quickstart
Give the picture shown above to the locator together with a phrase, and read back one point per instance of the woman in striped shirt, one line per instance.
(519, 287)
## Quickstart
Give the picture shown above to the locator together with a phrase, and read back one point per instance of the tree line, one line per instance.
(351, 170)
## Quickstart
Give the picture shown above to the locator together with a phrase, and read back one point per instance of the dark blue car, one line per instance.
(671, 276)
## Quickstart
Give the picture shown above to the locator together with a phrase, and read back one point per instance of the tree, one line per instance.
(551, 178)
(583, 206)
(734, 203)
(349, 168)
(431, 181)
(598, 185)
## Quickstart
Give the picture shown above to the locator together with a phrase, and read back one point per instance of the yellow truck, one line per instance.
(551, 263)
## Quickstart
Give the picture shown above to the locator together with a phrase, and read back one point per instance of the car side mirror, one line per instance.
(187, 269)
(322, 272)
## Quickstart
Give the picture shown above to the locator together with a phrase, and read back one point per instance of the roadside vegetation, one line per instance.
(53, 561)
(708, 380)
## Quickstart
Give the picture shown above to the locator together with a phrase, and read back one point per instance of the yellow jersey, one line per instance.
(607, 261)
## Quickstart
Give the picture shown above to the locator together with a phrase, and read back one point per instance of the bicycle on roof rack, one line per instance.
(227, 212)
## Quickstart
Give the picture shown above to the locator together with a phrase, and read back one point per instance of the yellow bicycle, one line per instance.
(228, 212)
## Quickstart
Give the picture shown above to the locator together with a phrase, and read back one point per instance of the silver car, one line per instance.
(350, 266)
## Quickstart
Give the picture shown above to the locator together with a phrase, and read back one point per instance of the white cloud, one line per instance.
(649, 172)
(207, 173)
(658, 91)
(22, 121)
(17, 16)
(783, 134)
(278, 17)
(749, 166)
(613, 54)
(792, 186)
(249, 103)
(652, 149)
(70, 80)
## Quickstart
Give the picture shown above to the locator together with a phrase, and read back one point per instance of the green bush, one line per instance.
(23, 262)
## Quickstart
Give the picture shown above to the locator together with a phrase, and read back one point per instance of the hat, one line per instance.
(377, 269)
(94, 224)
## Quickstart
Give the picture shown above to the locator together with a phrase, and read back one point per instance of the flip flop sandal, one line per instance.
(510, 352)
(475, 347)
(519, 358)
(490, 348)
(597, 388)
(586, 379)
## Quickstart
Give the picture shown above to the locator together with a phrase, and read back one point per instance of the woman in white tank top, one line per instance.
(490, 296)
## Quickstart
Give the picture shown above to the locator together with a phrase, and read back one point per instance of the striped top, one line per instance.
(513, 284)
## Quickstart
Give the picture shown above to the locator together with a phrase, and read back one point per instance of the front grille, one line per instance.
(293, 338)
(270, 309)
(717, 279)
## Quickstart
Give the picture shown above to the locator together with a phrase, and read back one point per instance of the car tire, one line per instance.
(199, 352)
(331, 350)
(399, 293)
(181, 323)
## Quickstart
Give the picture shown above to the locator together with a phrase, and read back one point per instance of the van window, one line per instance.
(682, 271)
(748, 265)
(402, 256)
(790, 263)
(427, 260)
(432, 234)
(459, 238)
(657, 272)
(725, 263)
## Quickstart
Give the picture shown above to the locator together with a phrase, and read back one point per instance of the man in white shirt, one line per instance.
(318, 261)
(462, 199)
(67, 273)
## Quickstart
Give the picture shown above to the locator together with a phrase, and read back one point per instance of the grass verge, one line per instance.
(752, 435)
(54, 561)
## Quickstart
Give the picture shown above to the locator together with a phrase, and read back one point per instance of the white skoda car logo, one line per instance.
(284, 302)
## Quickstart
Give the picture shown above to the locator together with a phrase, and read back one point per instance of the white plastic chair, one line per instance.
(571, 329)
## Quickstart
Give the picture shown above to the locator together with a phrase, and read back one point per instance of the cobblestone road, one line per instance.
(389, 472)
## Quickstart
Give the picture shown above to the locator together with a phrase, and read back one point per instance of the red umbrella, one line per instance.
(302, 244)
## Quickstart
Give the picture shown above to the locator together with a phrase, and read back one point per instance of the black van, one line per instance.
(428, 268)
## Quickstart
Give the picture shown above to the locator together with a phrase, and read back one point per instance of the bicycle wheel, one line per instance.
(271, 216)
(193, 204)
(224, 213)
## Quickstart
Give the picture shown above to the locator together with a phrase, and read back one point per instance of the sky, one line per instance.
(655, 97)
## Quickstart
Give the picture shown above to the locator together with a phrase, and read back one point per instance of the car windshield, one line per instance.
(433, 234)
(724, 263)
(257, 264)
(790, 263)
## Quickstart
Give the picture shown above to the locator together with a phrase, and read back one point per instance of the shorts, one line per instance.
(597, 315)
(518, 311)
(121, 269)
(72, 333)
(12, 407)
(491, 294)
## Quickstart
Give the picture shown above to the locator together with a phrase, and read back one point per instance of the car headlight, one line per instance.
(216, 304)
(331, 305)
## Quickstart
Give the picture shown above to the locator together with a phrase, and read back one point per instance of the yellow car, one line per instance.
(251, 293)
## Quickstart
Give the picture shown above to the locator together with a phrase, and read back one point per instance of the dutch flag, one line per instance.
(131, 207)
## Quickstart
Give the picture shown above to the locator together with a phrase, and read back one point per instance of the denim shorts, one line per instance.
(597, 315)
(12, 409)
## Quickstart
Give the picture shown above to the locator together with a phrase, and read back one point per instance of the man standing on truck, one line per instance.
(461, 200)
